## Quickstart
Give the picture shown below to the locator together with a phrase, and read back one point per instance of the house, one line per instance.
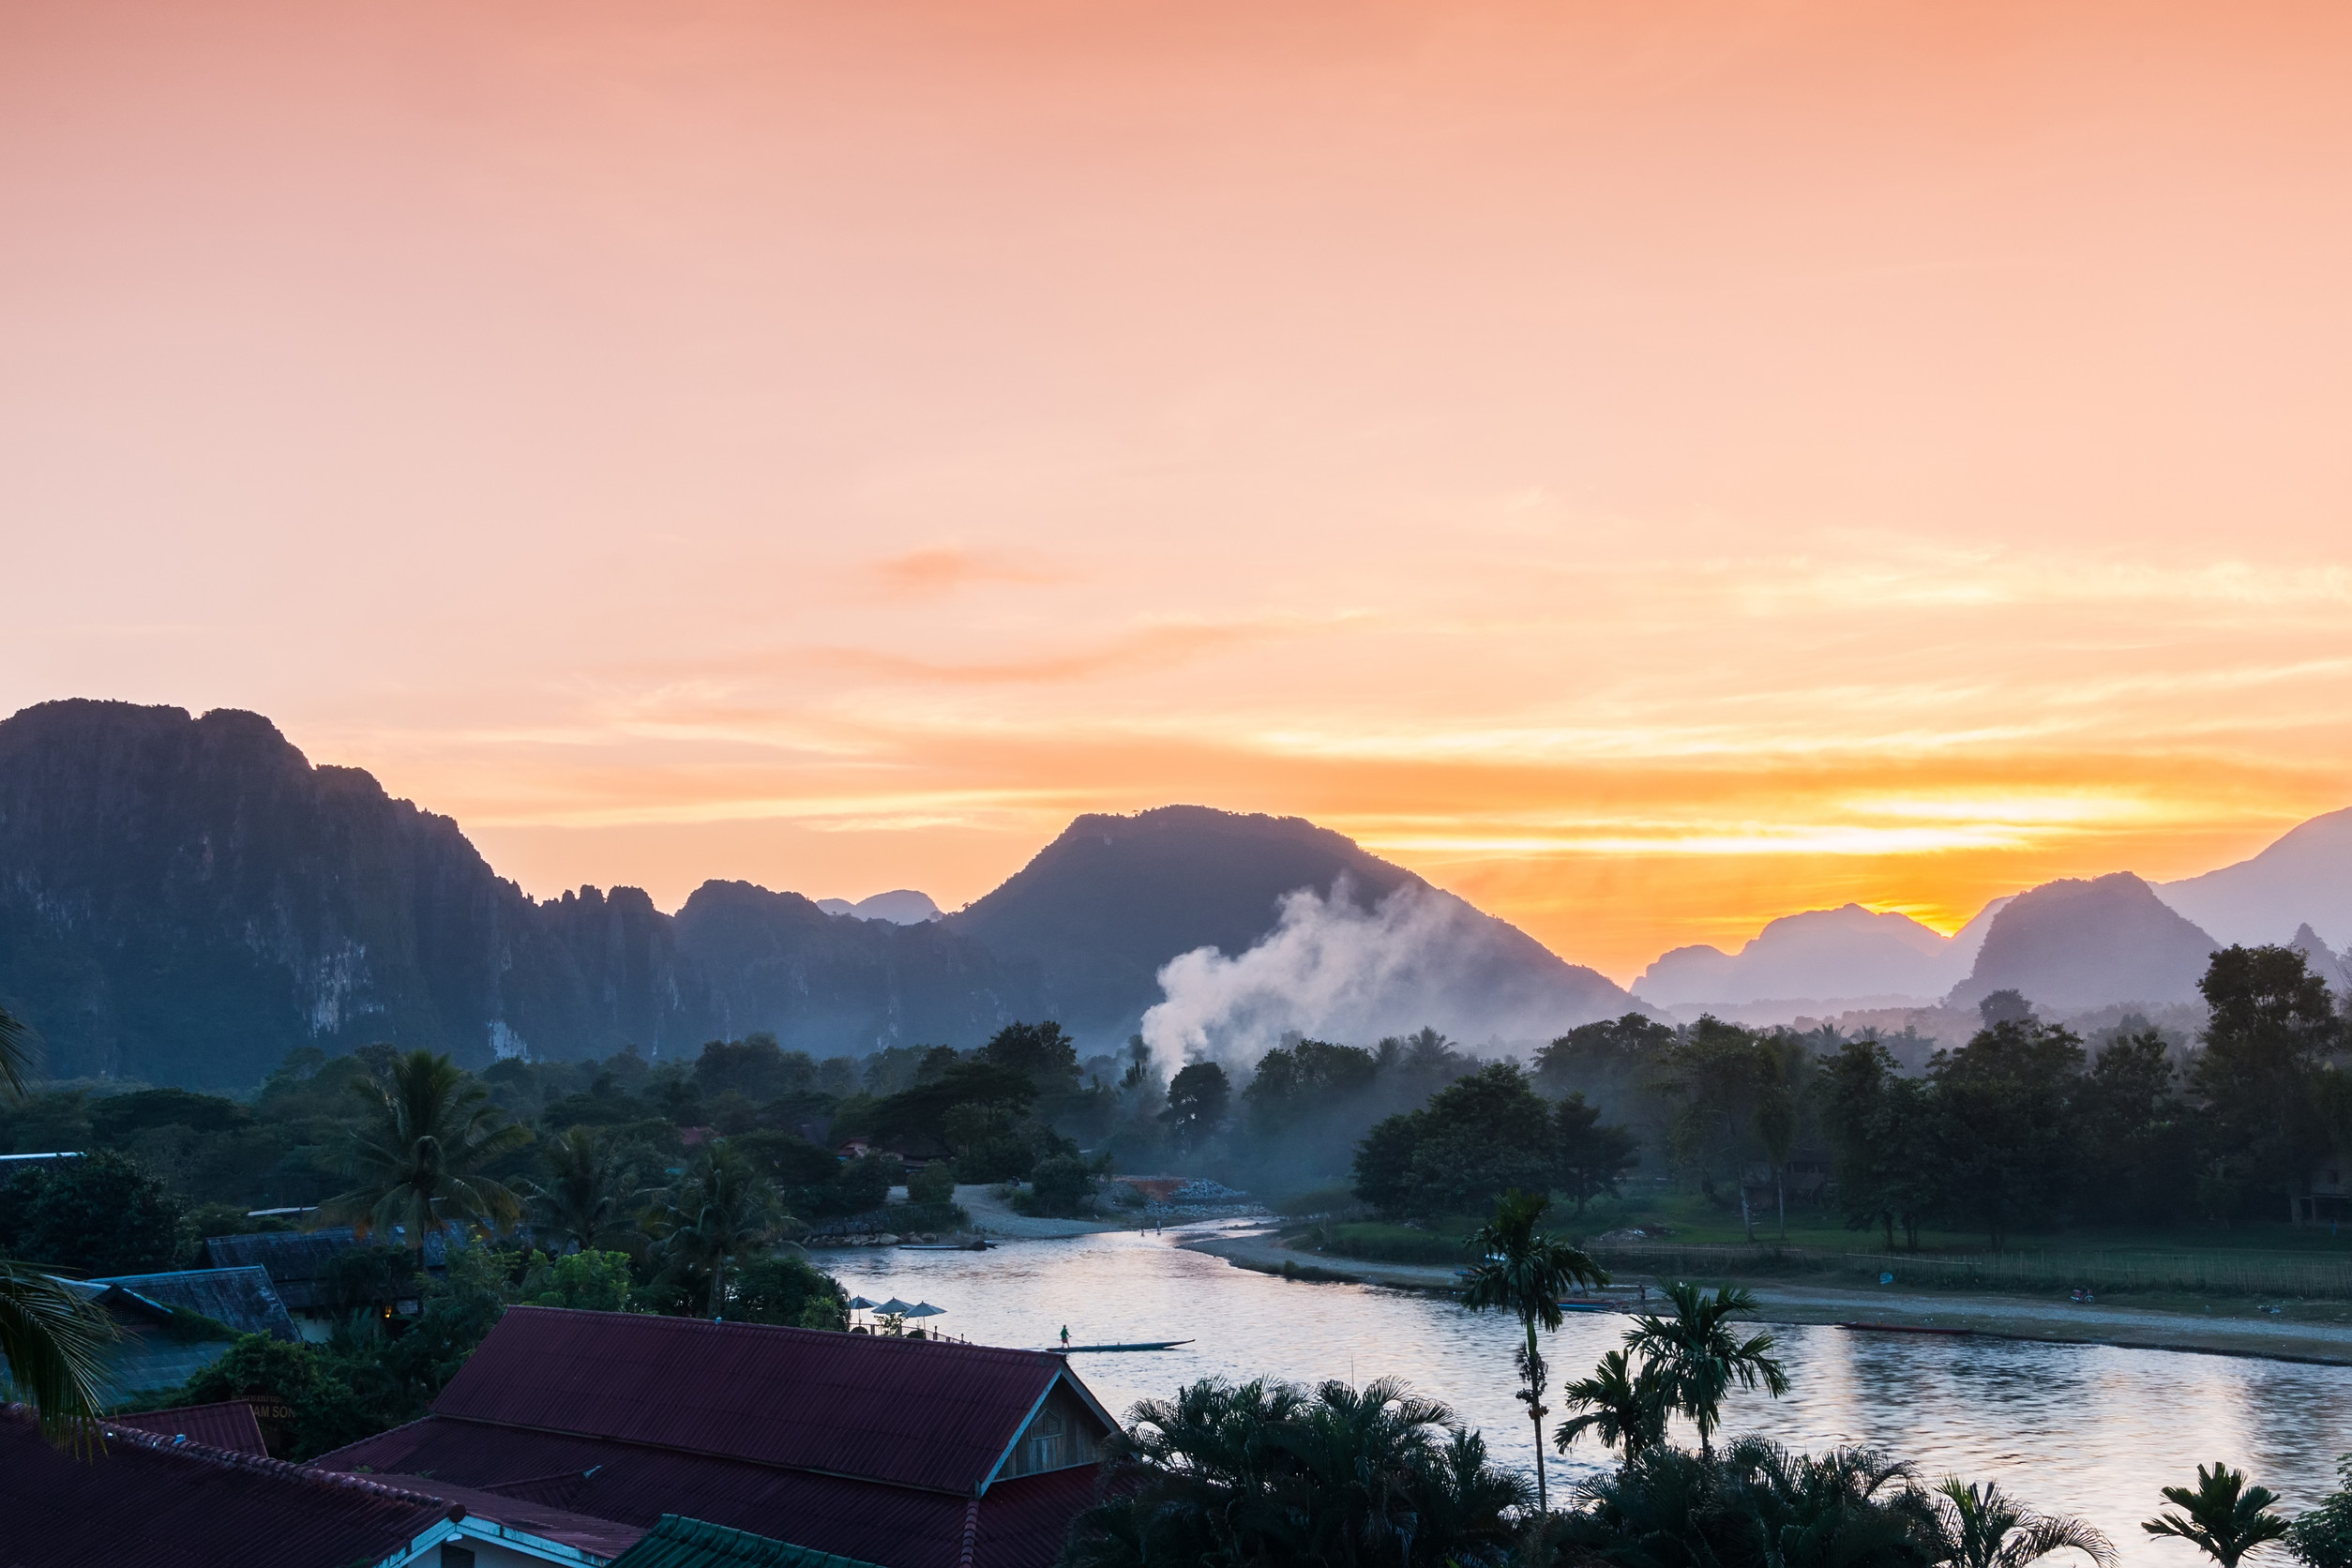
(175, 1503)
(682, 1543)
(301, 1265)
(172, 1325)
(228, 1425)
(2328, 1194)
(901, 1453)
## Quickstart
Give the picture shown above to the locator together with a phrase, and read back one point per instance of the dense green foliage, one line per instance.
(1267, 1473)
(1482, 1135)
(102, 1215)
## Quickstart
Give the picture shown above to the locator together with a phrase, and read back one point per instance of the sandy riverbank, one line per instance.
(2236, 1330)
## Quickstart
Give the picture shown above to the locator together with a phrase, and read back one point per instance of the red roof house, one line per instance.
(228, 1425)
(904, 1453)
(174, 1503)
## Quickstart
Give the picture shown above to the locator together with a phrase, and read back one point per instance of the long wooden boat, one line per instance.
(1900, 1328)
(1139, 1345)
(944, 1247)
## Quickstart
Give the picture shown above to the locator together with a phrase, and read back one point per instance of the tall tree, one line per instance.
(589, 1199)
(2270, 1024)
(1588, 1159)
(418, 1160)
(721, 1209)
(1699, 1357)
(2005, 1146)
(1196, 1101)
(1522, 1271)
(52, 1340)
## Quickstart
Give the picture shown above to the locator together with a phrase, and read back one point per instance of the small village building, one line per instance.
(228, 1425)
(901, 1453)
(301, 1267)
(682, 1543)
(170, 1501)
(173, 1325)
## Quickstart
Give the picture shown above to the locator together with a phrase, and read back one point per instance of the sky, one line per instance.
(1647, 467)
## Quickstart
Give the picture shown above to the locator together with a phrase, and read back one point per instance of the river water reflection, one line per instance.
(2081, 1429)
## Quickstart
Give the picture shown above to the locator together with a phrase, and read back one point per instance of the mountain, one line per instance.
(2305, 878)
(2074, 945)
(1848, 952)
(186, 900)
(1103, 907)
(901, 906)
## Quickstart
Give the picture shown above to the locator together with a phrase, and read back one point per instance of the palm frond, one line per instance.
(54, 1343)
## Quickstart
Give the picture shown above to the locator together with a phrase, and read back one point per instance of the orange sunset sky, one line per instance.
(1649, 467)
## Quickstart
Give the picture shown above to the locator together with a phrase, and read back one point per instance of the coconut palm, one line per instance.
(1699, 1358)
(1268, 1472)
(2226, 1518)
(418, 1160)
(590, 1200)
(1981, 1526)
(1623, 1407)
(1753, 1503)
(721, 1209)
(1525, 1271)
(52, 1341)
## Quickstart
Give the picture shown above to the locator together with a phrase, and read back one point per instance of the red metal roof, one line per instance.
(149, 1502)
(227, 1425)
(918, 1413)
(1020, 1523)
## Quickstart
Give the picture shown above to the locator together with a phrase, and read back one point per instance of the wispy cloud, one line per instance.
(938, 570)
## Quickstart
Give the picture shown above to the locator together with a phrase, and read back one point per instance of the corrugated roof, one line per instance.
(678, 1543)
(240, 1297)
(298, 1261)
(227, 1425)
(147, 1501)
(918, 1413)
(1020, 1523)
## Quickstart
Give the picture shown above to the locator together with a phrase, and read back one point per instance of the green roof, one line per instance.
(682, 1543)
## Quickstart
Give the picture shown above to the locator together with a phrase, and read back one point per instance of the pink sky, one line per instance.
(1649, 468)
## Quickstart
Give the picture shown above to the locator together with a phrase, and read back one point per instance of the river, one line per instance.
(2084, 1429)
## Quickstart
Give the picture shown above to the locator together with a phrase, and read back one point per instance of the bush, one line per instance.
(780, 1287)
(1061, 1185)
(583, 1281)
(1391, 1244)
(2323, 1537)
(101, 1215)
(934, 1184)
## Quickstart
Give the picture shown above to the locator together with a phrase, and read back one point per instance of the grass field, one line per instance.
(1690, 1238)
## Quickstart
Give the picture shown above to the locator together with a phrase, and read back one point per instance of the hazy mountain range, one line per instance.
(2069, 945)
(184, 899)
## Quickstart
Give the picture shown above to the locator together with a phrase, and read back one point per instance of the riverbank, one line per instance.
(2233, 1329)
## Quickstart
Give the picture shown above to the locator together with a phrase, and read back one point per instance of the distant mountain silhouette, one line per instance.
(2074, 945)
(184, 899)
(1848, 952)
(901, 906)
(2305, 878)
(1105, 906)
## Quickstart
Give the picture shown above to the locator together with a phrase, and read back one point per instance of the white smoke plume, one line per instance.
(1332, 970)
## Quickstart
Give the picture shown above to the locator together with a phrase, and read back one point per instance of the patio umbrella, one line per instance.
(894, 1308)
(924, 1310)
(860, 1304)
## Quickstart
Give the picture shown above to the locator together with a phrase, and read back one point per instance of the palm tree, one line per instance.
(1625, 1409)
(1981, 1526)
(1526, 1271)
(588, 1202)
(418, 1163)
(722, 1209)
(1268, 1472)
(1699, 1358)
(52, 1341)
(2226, 1518)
